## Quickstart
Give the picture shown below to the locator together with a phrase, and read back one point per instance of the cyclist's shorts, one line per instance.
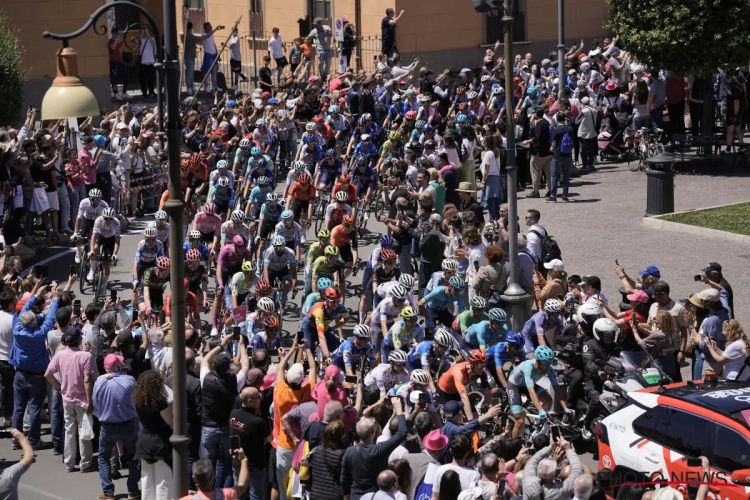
(514, 393)
(107, 244)
(281, 275)
(207, 238)
(346, 254)
(84, 229)
(141, 268)
(222, 209)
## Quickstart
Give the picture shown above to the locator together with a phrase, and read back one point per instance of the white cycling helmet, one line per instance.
(109, 213)
(266, 305)
(278, 241)
(365, 137)
(585, 66)
(223, 181)
(149, 232)
(450, 265)
(260, 122)
(397, 356)
(471, 95)
(588, 310)
(552, 306)
(443, 337)
(95, 193)
(362, 332)
(222, 164)
(342, 196)
(399, 292)
(244, 144)
(272, 197)
(161, 215)
(604, 326)
(407, 281)
(238, 215)
(420, 377)
(299, 166)
(310, 127)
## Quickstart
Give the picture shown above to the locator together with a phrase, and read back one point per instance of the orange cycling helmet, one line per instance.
(271, 322)
(388, 255)
(332, 293)
(476, 356)
(347, 219)
(262, 286)
(304, 179)
(345, 178)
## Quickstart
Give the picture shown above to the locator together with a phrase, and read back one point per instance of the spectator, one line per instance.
(254, 433)
(210, 55)
(12, 475)
(562, 157)
(710, 329)
(113, 400)
(541, 154)
(423, 425)
(387, 487)
(468, 203)
(492, 279)
(713, 274)
(54, 338)
(453, 412)
(388, 32)
(76, 370)
(587, 125)
(539, 473)
(492, 196)
(325, 463)
(582, 487)
(632, 353)
(117, 70)
(17, 236)
(277, 49)
(734, 355)
(556, 286)
(449, 484)
(7, 372)
(649, 277)
(460, 448)
(426, 461)
(431, 250)
(30, 358)
(403, 473)
(203, 475)
(535, 236)
(334, 410)
(492, 469)
(322, 34)
(591, 286)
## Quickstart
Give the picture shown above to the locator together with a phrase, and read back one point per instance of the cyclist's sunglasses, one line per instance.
(399, 365)
(399, 301)
(545, 363)
(150, 239)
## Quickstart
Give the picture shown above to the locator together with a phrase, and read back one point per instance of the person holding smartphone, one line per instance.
(250, 432)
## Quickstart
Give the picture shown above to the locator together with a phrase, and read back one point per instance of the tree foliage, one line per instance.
(683, 36)
(12, 74)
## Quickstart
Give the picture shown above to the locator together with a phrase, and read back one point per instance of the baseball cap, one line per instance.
(592, 281)
(453, 408)
(709, 295)
(638, 296)
(112, 362)
(121, 126)
(87, 139)
(266, 95)
(555, 264)
(296, 374)
(712, 267)
(435, 440)
(650, 271)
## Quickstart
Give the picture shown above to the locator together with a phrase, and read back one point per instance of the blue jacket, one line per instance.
(29, 350)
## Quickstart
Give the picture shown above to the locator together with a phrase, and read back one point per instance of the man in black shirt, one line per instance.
(470, 204)
(264, 75)
(562, 156)
(388, 31)
(541, 156)
(254, 432)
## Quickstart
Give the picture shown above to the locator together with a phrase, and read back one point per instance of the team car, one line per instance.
(655, 433)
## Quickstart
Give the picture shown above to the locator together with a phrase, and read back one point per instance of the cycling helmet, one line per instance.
(472, 95)
(361, 161)
(324, 283)
(485, 78)
(272, 197)
(386, 240)
(209, 208)
(95, 193)
(249, 266)
(531, 90)
(399, 292)
(244, 144)
(109, 213)
(278, 241)
(498, 90)
(365, 138)
(223, 181)
(323, 234)
(388, 255)
(342, 196)
(497, 314)
(397, 357)
(162, 263)
(331, 293)
(514, 339)
(410, 115)
(552, 306)
(262, 286)
(345, 178)
(362, 120)
(265, 304)
(255, 151)
(310, 126)
(425, 99)
(420, 124)
(585, 67)
(299, 166)
(238, 215)
(367, 117)
(457, 283)
(605, 326)
(332, 251)
(150, 232)
(260, 122)
(544, 354)
(429, 143)
(334, 109)
(444, 337)
(287, 215)
(362, 332)
(476, 356)
(222, 164)
(304, 179)
(238, 240)
(193, 255)
(462, 119)
(581, 82)
(309, 139)
(194, 235)
(262, 180)
(420, 377)
(450, 265)
(347, 220)
(408, 312)
(406, 280)
(317, 119)
(478, 303)
(396, 98)
(588, 313)
(271, 322)
(394, 135)
(330, 153)
(461, 90)
(161, 215)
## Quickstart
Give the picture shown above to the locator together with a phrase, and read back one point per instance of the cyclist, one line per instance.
(265, 137)
(257, 196)
(364, 179)
(259, 165)
(148, 250)
(222, 195)
(262, 290)
(336, 210)
(429, 355)
(452, 384)
(327, 266)
(508, 351)
(298, 201)
(228, 264)
(396, 111)
(543, 327)
(256, 317)
(419, 381)
(344, 237)
(341, 126)
(269, 337)
(208, 224)
(488, 332)
(222, 170)
(236, 291)
(475, 314)
(270, 213)
(317, 248)
(298, 168)
(233, 227)
(440, 278)
(365, 153)
(325, 317)
(310, 153)
(315, 297)
(328, 170)
(291, 231)
(343, 183)
(88, 211)
(191, 303)
(385, 290)
(197, 178)
(162, 227)
(386, 313)
(355, 349)
(388, 375)
(523, 380)
(310, 135)
(392, 148)
(155, 280)
(436, 304)
(196, 274)
(386, 241)
(385, 272)
(279, 263)
(241, 156)
(402, 334)
(106, 235)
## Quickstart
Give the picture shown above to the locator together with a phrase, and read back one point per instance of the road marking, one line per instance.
(38, 491)
(48, 259)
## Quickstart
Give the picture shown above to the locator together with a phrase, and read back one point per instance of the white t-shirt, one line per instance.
(492, 162)
(147, 50)
(275, 47)
(209, 45)
(467, 476)
(235, 48)
(6, 335)
(735, 360)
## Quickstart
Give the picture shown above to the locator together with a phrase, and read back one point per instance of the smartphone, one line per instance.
(273, 352)
(77, 307)
(617, 263)
(113, 295)
(694, 462)
(234, 442)
(73, 269)
(249, 350)
(41, 271)
(236, 333)
(697, 277)
(555, 430)
(352, 379)
(2, 247)
(500, 487)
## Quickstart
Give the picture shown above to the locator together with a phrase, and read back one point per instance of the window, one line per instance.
(194, 4)
(652, 423)
(734, 457)
(493, 26)
(256, 17)
(321, 8)
(686, 434)
(125, 15)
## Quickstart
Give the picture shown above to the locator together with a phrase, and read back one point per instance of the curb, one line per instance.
(677, 227)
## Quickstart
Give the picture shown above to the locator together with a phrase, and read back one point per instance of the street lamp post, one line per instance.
(68, 97)
(560, 47)
(515, 297)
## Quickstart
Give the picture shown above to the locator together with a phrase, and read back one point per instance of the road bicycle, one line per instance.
(647, 145)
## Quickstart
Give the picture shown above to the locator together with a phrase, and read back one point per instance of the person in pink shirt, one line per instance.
(75, 369)
(74, 174)
(330, 389)
(86, 160)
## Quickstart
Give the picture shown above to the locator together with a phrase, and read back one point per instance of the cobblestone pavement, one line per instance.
(603, 223)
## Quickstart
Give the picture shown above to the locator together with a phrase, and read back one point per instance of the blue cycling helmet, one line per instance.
(427, 128)
(330, 153)
(308, 138)
(531, 90)
(386, 240)
(361, 160)
(363, 120)
(100, 141)
(287, 215)
(324, 283)
(544, 354)
(462, 119)
(514, 339)
(255, 151)
(497, 314)
(457, 283)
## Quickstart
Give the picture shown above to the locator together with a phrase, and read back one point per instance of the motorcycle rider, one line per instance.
(572, 341)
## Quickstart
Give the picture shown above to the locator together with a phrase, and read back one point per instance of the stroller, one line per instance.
(611, 139)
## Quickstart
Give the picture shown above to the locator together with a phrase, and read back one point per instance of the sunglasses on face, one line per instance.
(399, 365)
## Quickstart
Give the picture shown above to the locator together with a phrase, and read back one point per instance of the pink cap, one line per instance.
(112, 362)
(639, 296)
(332, 373)
(435, 441)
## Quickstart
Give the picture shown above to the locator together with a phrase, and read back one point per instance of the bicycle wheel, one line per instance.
(82, 270)
(319, 214)
(97, 281)
(361, 221)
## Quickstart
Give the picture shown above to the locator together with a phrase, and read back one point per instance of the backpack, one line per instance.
(550, 248)
(566, 145)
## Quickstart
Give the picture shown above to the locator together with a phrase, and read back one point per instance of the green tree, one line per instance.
(12, 73)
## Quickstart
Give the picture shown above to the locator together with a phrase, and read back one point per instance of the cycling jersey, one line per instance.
(322, 318)
(260, 341)
(207, 224)
(240, 157)
(336, 214)
(381, 275)
(271, 215)
(404, 391)
(363, 180)
(398, 109)
(298, 193)
(292, 176)
(398, 337)
(333, 169)
(538, 324)
(161, 234)
(467, 318)
(439, 300)
(258, 195)
(200, 272)
(292, 234)
(499, 354)
(387, 310)
(321, 269)
(371, 152)
(230, 228)
(254, 174)
(86, 211)
(348, 353)
(203, 249)
(423, 355)
(145, 254)
(153, 280)
(222, 198)
(319, 141)
(274, 262)
(374, 258)
(261, 165)
(310, 301)
(385, 290)
(351, 190)
(240, 285)
(385, 379)
(312, 156)
(107, 229)
(526, 374)
(341, 237)
(265, 138)
(480, 336)
(254, 323)
(458, 376)
(214, 177)
(230, 258)
(437, 279)
(340, 123)
(316, 250)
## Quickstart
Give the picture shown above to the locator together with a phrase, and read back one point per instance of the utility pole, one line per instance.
(560, 47)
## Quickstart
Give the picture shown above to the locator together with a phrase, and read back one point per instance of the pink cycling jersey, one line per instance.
(207, 224)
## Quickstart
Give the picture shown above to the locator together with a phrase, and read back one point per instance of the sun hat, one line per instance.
(435, 441)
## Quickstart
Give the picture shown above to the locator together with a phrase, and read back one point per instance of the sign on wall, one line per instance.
(338, 29)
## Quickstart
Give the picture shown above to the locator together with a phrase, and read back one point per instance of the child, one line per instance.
(295, 54)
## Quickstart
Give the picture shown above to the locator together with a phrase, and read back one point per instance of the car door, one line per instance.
(727, 459)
